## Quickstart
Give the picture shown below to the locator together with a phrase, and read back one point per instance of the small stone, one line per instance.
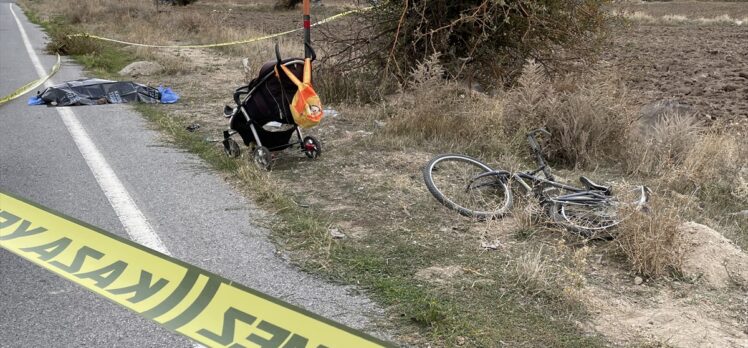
(379, 124)
(336, 234)
(438, 274)
(729, 88)
(141, 68)
(638, 280)
(494, 245)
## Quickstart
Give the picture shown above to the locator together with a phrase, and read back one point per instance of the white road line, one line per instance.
(131, 217)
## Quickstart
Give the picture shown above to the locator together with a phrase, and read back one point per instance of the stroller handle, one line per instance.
(309, 47)
(239, 92)
(311, 50)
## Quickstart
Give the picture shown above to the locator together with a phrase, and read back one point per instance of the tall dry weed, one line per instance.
(664, 145)
(687, 157)
(440, 111)
(588, 115)
(651, 241)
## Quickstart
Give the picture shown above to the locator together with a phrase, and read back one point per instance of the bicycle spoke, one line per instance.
(598, 216)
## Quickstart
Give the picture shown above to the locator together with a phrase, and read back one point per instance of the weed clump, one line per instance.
(651, 241)
(440, 111)
(588, 115)
(286, 4)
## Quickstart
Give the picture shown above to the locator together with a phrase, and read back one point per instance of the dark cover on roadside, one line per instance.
(98, 91)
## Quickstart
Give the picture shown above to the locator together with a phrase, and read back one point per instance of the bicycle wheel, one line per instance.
(593, 220)
(590, 221)
(454, 181)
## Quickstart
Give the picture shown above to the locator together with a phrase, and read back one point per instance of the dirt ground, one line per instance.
(705, 67)
(370, 189)
(691, 9)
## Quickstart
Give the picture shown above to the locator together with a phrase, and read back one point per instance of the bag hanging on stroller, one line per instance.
(270, 108)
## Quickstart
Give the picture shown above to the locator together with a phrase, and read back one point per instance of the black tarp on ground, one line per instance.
(98, 91)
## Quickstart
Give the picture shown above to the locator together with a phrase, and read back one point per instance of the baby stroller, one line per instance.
(263, 117)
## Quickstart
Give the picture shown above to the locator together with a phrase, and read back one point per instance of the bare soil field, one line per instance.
(691, 9)
(361, 214)
(700, 65)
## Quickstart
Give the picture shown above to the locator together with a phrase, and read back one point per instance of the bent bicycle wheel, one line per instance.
(590, 221)
(456, 182)
(593, 220)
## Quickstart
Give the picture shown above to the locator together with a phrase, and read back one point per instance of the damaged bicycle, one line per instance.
(474, 189)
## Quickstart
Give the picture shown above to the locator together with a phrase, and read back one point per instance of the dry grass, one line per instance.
(651, 241)
(557, 271)
(589, 115)
(665, 145)
(725, 19)
(437, 111)
(686, 156)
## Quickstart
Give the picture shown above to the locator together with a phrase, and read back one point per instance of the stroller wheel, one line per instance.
(262, 157)
(311, 146)
(231, 148)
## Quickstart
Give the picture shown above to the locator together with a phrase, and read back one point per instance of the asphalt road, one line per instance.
(198, 216)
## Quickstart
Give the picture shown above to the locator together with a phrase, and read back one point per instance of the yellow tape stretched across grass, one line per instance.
(191, 301)
(231, 43)
(31, 85)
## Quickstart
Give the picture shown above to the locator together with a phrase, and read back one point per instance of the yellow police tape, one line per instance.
(231, 43)
(31, 85)
(191, 301)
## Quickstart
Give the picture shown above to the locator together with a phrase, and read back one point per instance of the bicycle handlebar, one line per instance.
(531, 138)
(537, 150)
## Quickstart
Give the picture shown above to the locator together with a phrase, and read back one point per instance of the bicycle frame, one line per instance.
(582, 196)
(530, 181)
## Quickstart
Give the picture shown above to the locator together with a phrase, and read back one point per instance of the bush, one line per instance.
(182, 2)
(62, 42)
(485, 38)
(286, 4)
(587, 114)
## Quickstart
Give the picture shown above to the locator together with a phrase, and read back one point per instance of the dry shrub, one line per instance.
(651, 241)
(588, 115)
(441, 111)
(686, 156)
(659, 149)
(286, 4)
(532, 272)
(484, 38)
(191, 22)
(61, 42)
(712, 158)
